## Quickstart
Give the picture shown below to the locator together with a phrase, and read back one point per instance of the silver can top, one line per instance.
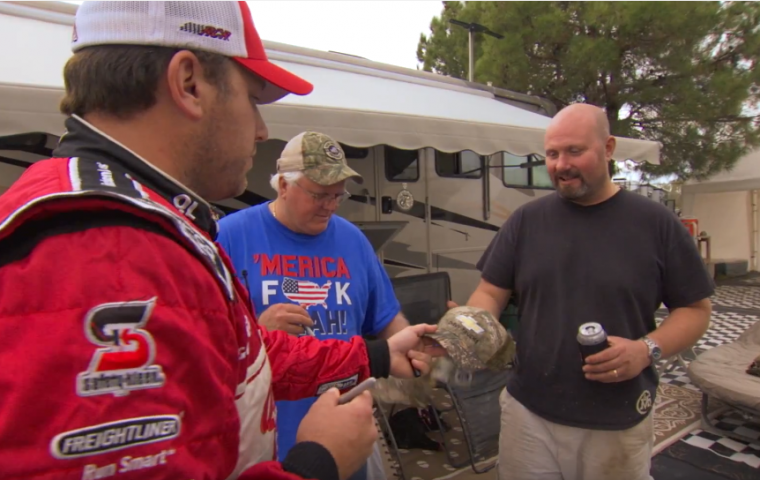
(591, 333)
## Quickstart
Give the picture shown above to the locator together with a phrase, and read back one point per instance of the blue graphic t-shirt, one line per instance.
(335, 275)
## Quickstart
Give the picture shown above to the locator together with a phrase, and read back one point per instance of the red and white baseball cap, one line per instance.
(222, 27)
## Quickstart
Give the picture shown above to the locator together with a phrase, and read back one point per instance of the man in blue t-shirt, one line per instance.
(308, 271)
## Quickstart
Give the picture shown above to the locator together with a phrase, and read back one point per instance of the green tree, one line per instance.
(685, 74)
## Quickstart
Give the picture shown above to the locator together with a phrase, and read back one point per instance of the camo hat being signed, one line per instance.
(474, 339)
(319, 157)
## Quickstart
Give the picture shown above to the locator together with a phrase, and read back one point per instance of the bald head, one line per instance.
(583, 115)
(578, 148)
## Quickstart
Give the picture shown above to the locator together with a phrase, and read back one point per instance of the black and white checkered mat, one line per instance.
(726, 447)
(735, 308)
(745, 299)
(732, 296)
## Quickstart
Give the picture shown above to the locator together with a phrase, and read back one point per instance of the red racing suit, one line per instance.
(127, 345)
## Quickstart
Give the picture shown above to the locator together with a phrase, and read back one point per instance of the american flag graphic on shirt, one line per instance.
(305, 293)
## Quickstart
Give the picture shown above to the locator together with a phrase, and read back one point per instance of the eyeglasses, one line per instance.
(326, 198)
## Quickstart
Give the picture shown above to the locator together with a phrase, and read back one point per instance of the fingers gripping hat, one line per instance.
(225, 28)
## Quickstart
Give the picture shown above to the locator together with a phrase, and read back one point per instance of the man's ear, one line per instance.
(609, 147)
(282, 186)
(186, 84)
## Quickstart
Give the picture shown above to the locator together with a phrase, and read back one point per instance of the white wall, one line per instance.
(727, 218)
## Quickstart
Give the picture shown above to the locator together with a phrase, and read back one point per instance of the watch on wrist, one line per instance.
(655, 353)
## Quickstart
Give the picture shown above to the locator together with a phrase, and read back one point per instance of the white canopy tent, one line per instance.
(726, 207)
(358, 102)
(744, 176)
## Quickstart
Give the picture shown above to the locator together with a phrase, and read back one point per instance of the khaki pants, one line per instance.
(531, 448)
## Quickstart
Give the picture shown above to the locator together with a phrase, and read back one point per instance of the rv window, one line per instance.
(401, 165)
(355, 153)
(540, 176)
(514, 176)
(534, 177)
(466, 164)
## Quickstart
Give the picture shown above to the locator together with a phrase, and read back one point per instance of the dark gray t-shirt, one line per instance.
(611, 263)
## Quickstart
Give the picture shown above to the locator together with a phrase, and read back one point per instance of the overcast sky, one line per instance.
(382, 31)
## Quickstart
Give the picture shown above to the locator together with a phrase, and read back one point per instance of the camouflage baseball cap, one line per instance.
(474, 339)
(319, 157)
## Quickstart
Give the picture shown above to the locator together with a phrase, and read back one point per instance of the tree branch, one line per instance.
(723, 119)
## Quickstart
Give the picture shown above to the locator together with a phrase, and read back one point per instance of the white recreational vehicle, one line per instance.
(445, 161)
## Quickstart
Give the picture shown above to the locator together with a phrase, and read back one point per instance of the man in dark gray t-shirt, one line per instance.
(590, 252)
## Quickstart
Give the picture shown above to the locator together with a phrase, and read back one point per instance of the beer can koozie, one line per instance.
(592, 339)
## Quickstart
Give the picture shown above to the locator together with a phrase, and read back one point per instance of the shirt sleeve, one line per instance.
(304, 367)
(497, 265)
(686, 279)
(223, 238)
(383, 306)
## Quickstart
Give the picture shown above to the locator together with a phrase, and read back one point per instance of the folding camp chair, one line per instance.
(721, 374)
(424, 299)
(479, 412)
(389, 450)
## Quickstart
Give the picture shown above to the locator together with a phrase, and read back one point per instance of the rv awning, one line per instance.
(357, 105)
(354, 107)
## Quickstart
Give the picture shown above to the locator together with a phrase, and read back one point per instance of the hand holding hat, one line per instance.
(472, 338)
(410, 349)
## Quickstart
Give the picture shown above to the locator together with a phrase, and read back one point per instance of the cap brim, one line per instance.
(280, 82)
(504, 356)
(332, 174)
(460, 353)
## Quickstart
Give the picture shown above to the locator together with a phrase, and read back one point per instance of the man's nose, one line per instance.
(330, 204)
(563, 163)
(262, 131)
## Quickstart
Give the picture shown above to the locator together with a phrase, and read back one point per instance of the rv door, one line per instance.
(403, 196)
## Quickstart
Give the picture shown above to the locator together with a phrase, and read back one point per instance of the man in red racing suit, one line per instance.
(127, 346)
(126, 342)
